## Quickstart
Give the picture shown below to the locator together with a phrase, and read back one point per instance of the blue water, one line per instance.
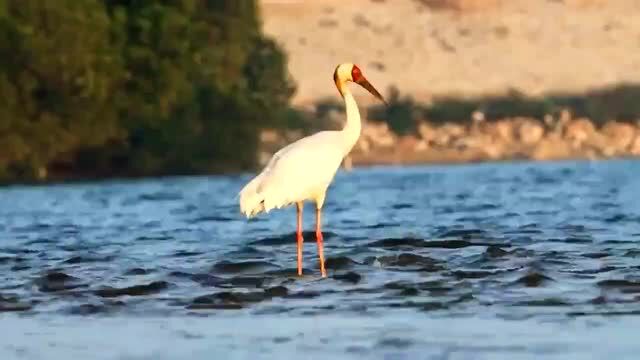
(484, 261)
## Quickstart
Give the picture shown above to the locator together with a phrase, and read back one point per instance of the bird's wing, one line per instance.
(303, 166)
(301, 160)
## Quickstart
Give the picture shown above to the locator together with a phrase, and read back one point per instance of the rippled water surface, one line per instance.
(491, 261)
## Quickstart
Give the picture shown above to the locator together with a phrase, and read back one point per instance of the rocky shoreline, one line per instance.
(558, 137)
(471, 49)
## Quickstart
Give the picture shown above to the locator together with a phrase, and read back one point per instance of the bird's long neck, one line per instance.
(351, 130)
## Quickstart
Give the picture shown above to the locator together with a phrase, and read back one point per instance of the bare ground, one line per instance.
(464, 48)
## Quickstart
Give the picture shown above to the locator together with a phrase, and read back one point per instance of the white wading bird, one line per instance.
(304, 169)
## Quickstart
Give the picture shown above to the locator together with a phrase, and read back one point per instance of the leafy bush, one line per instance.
(132, 87)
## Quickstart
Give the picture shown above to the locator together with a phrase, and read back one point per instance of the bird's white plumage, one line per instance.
(304, 169)
(300, 171)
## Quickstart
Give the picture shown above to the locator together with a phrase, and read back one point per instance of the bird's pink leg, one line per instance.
(299, 237)
(319, 239)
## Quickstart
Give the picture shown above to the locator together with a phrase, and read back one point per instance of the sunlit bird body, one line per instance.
(303, 170)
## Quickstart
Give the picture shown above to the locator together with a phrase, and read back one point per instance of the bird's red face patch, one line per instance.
(356, 74)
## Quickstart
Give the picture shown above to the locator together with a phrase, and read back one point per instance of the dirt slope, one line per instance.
(488, 47)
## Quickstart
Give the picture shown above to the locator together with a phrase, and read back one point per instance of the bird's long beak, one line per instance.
(362, 81)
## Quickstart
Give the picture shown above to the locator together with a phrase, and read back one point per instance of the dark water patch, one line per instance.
(232, 297)
(14, 307)
(154, 238)
(407, 243)
(554, 257)
(35, 227)
(88, 258)
(282, 339)
(276, 291)
(511, 215)
(529, 229)
(603, 313)
(409, 261)
(181, 274)
(95, 309)
(159, 196)
(137, 271)
(214, 306)
(394, 343)
(572, 240)
(473, 219)
(398, 285)
(624, 286)
(465, 234)
(574, 228)
(288, 239)
(494, 252)
(21, 251)
(371, 260)
(186, 253)
(600, 300)
(596, 255)
(462, 299)
(534, 279)
(599, 270)
(522, 253)
(12, 259)
(409, 291)
(186, 209)
(632, 253)
(11, 303)
(304, 294)
(210, 218)
(20, 267)
(618, 242)
(473, 274)
(401, 206)
(243, 281)
(55, 281)
(136, 290)
(476, 208)
(618, 218)
(272, 310)
(41, 241)
(152, 224)
(543, 302)
(339, 263)
(248, 252)
(363, 290)
(245, 267)
(604, 205)
(86, 309)
(236, 300)
(206, 279)
(69, 230)
(349, 277)
(426, 306)
(434, 306)
(434, 288)
(381, 225)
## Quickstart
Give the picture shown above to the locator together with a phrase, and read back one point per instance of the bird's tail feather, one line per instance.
(251, 201)
(254, 199)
